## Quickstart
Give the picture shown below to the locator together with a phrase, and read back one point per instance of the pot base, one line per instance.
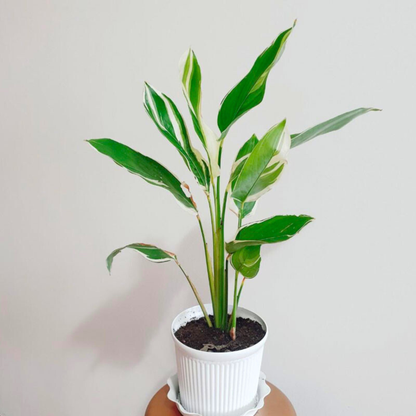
(262, 391)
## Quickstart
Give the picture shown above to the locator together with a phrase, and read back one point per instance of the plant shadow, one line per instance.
(121, 330)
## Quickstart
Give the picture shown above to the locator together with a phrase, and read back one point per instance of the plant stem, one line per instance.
(224, 206)
(240, 290)
(233, 330)
(217, 304)
(221, 260)
(238, 301)
(204, 311)
(207, 261)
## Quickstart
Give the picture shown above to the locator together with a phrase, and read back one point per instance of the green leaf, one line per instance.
(238, 165)
(249, 92)
(272, 230)
(191, 86)
(147, 168)
(164, 113)
(152, 253)
(263, 166)
(327, 126)
(241, 159)
(247, 261)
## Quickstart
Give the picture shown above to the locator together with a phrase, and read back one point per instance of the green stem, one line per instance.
(224, 206)
(240, 290)
(221, 259)
(207, 261)
(217, 304)
(238, 302)
(204, 311)
(233, 330)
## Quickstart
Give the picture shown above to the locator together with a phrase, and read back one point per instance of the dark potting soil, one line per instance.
(199, 336)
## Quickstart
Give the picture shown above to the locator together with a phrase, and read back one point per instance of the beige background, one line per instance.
(339, 298)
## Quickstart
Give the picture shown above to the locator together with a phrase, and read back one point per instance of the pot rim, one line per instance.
(221, 355)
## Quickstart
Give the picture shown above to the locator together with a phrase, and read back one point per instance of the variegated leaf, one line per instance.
(163, 111)
(327, 126)
(247, 261)
(191, 85)
(152, 253)
(145, 167)
(263, 166)
(238, 165)
(249, 92)
(272, 230)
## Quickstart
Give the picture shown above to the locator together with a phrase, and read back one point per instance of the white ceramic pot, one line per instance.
(217, 384)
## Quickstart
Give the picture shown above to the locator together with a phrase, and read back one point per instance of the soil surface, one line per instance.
(197, 335)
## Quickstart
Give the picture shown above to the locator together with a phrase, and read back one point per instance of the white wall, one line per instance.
(339, 298)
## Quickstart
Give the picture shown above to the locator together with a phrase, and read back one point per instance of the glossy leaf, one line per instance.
(272, 230)
(152, 253)
(145, 167)
(247, 261)
(263, 165)
(249, 92)
(327, 126)
(240, 160)
(191, 86)
(164, 113)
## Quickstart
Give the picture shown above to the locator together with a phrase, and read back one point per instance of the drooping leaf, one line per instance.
(272, 230)
(247, 261)
(263, 166)
(240, 160)
(152, 253)
(249, 92)
(164, 113)
(145, 167)
(327, 126)
(191, 86)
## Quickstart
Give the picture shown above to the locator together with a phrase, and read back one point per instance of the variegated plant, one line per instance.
(258, 165)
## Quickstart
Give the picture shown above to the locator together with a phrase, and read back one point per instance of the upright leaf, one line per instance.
(164, 113)
(145, 167)
(263, 166)
(327, 126)
(238, 165)
(249, 92)
(272, 230)
(152, 253)
(191, 85)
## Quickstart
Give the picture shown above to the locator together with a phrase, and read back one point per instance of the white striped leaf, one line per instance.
(191, 85)
(272, 230)
(145, 167)
(249, 92)
(238, 165)
(164, 113)
(263, 166)
(152, 253)
(327, 126)
(247, 261)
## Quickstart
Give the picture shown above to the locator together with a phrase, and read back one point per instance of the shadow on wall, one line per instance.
(121, 330)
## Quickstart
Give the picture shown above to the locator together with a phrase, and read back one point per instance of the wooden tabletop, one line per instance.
(276, 404)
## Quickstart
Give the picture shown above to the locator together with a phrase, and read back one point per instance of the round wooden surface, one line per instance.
(276, 404)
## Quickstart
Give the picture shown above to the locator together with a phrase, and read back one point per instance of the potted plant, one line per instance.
(218, 371)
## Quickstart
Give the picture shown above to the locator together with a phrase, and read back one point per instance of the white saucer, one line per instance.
(262, 391)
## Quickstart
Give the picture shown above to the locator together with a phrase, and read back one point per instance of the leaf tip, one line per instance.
(294, 23)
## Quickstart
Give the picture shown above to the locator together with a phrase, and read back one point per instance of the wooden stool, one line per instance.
(275, 404)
